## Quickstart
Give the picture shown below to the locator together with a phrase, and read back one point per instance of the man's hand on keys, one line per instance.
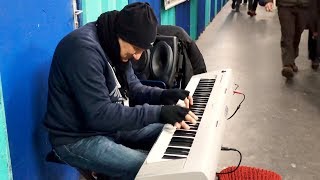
(177, 116)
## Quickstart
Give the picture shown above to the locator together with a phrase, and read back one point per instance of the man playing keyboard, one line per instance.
(90, 78)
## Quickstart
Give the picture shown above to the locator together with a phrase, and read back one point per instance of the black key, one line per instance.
(199, 104)
(189, 123)
(199, 112)
(177, 151)
(178, 141)
(185, 133)
(172, 157)
(201, 94)
(193, 128)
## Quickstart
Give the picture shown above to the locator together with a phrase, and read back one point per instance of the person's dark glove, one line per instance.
(171, 96)
(172, 113)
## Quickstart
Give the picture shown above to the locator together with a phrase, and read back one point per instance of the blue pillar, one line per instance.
(201, 16)
(213, 9)
(183, 16)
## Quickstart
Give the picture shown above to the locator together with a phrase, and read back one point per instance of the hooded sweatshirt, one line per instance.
(84, 96)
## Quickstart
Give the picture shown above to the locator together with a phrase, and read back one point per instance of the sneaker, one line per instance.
(287, 71)
(294, 67)
(315, 64)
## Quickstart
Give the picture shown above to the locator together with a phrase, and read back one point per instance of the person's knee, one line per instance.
(132, 164)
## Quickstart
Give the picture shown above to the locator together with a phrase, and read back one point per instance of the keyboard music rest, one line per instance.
(193, 154)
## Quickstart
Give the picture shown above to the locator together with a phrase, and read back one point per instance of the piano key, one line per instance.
(173, 157)
(200, 100)
(197, 113)
(196, 94)
(193, 128)
(200, 112)
(203, 101)
(207, 87)
(180, 143)
(189, 123)
(207, 80)
(177, 151)
(198, 109)
(195, 97)
(181, 139)
(189, 130)
(199, 105)
(209, 84)
(202, 85)
(184, 137)
(202, 93)
(185, 133)
(204, 89)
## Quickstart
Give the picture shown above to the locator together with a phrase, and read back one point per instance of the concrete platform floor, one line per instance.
(278, 126)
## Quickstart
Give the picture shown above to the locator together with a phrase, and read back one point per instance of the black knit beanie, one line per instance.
(137, 25)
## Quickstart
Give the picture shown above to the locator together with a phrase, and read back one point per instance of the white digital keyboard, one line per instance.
(193, 154)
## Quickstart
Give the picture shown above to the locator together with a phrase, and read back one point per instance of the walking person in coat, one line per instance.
(294, 17)
(313, 38)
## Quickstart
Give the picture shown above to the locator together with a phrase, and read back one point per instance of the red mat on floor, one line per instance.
(248, 173)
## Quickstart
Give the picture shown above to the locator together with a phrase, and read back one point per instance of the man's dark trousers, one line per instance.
(236, 4)
(313, 47)
(293, 21)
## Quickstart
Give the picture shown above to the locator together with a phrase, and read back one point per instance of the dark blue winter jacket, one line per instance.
(83, 97)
